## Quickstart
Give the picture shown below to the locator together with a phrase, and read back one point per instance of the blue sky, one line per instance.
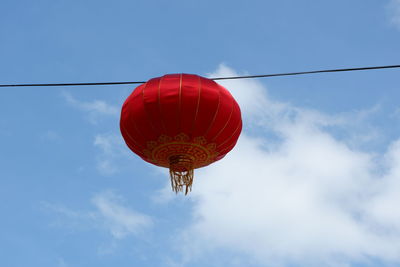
(314, 179)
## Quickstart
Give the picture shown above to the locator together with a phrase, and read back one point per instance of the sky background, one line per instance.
(313, 181)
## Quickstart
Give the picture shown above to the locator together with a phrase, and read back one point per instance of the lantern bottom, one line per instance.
(181, 172)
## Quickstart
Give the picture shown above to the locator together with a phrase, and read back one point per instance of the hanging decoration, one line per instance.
(181, 122)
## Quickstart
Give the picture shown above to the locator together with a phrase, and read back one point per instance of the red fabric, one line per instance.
(180, 109)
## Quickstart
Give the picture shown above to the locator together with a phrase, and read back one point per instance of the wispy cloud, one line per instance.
(110, 214)
(394, 12)
(120, 220)
(50, 136)
(112, 149)
(94, 109)
(292, 192)
(62, 263)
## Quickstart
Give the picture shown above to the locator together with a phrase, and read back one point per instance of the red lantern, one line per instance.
(181, 122)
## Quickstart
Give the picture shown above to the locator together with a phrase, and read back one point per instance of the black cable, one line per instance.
(215, 78)
(66, 84)
(305, 72)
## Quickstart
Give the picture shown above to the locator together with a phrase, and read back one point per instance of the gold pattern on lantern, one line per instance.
(198, 149)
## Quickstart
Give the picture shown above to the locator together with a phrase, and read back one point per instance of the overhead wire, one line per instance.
(213, 78)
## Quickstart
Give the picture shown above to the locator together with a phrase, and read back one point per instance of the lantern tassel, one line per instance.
(181, 179)
(181, 172)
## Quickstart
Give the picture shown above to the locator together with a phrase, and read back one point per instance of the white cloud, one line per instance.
(95, 109)
(115, 157)
(302, 197)
(112, 149)
(67, 218)
(394, 12)
(121, 221)
(110, 214)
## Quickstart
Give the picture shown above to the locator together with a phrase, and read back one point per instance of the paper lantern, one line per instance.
(181, 122)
